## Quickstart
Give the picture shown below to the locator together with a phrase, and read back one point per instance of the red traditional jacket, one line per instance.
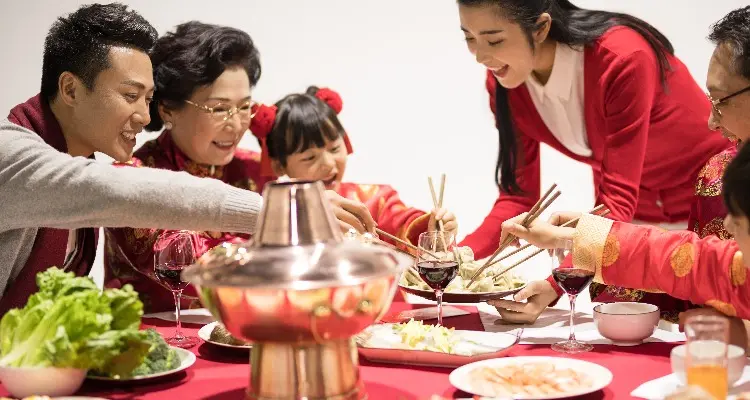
(388, 211)
(706, 270)
(128, 252)
(647, 144)
(707, 213)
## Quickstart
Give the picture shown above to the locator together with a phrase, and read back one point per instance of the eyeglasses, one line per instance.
(222, 112)
(716, 103)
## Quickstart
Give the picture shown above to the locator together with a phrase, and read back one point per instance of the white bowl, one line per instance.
(626, 324)
(47, 381)
(735, 363)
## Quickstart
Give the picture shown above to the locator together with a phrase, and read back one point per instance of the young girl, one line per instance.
(301, 137)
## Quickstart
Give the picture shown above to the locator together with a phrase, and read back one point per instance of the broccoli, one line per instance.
(161, 357)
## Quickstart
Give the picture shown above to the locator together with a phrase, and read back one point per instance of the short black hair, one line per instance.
(302, 121)
(195, 55)
(736, 183)
(80, 42)
(734, 30)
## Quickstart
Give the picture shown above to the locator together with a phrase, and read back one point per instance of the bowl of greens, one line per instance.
(66, 329)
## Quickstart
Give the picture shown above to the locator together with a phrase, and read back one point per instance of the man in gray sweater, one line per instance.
(96, 86)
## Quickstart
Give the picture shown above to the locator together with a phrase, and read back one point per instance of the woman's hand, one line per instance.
(545, 235)
(450, 223)
(351, 214)
(527, 304)
(738, 335)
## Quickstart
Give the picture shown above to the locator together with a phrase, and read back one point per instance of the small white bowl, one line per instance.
(626, 324)
(47, 381)
(735, 363)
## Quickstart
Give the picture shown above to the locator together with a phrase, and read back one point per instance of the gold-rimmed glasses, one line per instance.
(222, 112)
(716, 103)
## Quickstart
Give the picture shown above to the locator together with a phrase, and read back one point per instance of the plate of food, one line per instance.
(530, 378)
(416, 343)
(162, 360)
(489, 284)
(215, 333)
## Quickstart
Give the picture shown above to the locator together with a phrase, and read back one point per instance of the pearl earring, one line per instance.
(168, 126)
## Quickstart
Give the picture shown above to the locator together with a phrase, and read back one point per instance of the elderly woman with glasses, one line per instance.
(204, 76)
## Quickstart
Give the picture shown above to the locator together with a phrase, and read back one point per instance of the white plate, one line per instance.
(205, 334)
(600, 376)
(381, 344)
(187, 358)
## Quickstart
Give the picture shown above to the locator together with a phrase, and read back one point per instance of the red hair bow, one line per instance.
(334, 101)
(261, 125)
(331, 98)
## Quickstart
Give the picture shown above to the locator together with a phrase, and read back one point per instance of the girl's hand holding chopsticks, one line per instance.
(450, 223)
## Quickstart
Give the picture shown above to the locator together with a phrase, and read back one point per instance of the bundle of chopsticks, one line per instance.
(544, 202)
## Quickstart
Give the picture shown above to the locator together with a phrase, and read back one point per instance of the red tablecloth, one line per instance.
(221, 374)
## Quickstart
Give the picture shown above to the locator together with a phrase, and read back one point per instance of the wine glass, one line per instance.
(173, 252)
(573, 281)
(436, 263)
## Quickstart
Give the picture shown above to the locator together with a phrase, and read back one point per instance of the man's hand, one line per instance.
(351, 214)
(737, 327)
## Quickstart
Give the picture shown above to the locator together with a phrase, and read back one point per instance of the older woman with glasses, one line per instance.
(204, 76)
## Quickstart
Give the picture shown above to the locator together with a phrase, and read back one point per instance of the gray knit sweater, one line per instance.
(41, 187)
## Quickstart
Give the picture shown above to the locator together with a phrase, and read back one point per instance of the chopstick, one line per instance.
(532, 255)
(403, 242)
(538, 208)
(438, 204)
(526, 246)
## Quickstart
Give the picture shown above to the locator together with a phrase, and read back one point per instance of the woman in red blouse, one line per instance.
(603, 88)
(204, 75)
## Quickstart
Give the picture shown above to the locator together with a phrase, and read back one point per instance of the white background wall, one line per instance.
(414, 99)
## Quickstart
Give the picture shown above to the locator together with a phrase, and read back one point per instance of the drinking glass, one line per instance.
(436, 263)
(173, 252)
(573, 281)
(706, 359)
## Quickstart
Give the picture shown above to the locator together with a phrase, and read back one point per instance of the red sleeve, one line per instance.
(392, 215)
(629, 83)
(706, 271)
(485, 239)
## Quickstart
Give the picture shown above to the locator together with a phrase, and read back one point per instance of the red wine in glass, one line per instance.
(437, 274)
(170, 274)
(572, 280)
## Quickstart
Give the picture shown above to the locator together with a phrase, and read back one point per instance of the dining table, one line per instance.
(223, 373)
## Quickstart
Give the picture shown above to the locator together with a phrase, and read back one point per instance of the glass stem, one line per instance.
(178, 330)
(439, 298)
(572, 298)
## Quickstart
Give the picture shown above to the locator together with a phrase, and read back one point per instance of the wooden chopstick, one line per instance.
(527, 245)
(405, 243)
(537, 209)
(437, 204)
(532, 255)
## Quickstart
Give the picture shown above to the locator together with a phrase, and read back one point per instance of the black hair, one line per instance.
(573, 26)
(80, 42)
(302, 121)
(734, 30)
(195, 55)
(736, 184)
